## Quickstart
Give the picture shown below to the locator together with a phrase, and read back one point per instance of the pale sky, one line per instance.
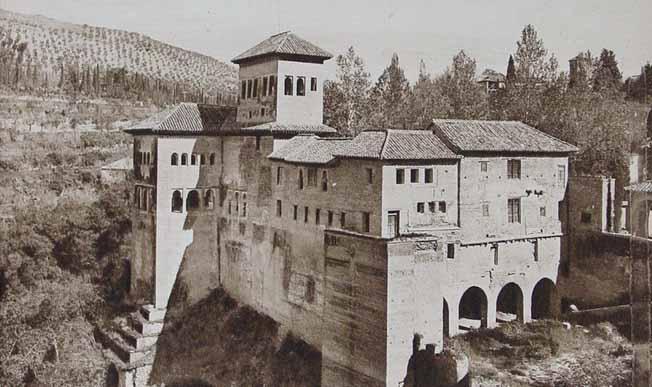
(415, 29)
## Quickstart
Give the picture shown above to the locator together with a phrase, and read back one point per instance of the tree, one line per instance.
(465, 95)
(606, 75)
(427, 100)
(390, 98)
(345, 99)
(511, 70)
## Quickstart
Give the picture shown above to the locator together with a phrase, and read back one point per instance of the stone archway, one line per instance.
(509, 303)
(545, 300)
(473, 308)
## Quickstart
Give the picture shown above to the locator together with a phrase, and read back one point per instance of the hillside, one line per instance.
(45, 50)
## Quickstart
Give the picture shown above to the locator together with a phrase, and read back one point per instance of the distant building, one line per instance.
(118, 170)
(581, 70)
(492, 81)
(353, 244)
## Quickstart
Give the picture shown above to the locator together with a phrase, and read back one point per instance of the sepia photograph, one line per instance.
(309, 193)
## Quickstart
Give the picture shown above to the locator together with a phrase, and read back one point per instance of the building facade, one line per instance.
(353, 244)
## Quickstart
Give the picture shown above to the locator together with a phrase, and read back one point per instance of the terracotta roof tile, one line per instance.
(280, 128)
(190, 117)
(396, 144)
(285, 43)
(497, 136)
(309, 149)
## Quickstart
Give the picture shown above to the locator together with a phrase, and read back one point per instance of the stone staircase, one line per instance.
(133, 345)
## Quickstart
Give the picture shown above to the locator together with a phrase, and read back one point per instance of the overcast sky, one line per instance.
(416, 29)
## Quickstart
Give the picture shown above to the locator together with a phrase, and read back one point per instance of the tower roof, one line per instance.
(285, 44)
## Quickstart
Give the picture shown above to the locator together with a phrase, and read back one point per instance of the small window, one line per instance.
(542, 211)
(313, 84)
(535, 246)
(310, 290)
(370, 175)
(312, 177)
(249, 88)
(317, 216)
(279, 175)
(442, 207)
(279, 208)
(301, 86)
(272, 85)
(257, 143)
(255, 91)
(514, 210)
(421, 207)
(184, 159)
(450, 251)
(561, 175)
(586, 217)
(485, 209)
(324, 181)
(365, 222)
(414, 175)
(295, 213)
(343, 219)
(237, 203)
(177, 202)
(288, 85)
(484, 166)
(432, 206)
(305, 214)
(229, 208)
(174, 159)
(243, 228)
(243, 90)
(330, 218)
(429, 176)
(300, 178)
(192, 202)
(193, 159)
(202, 159)
(495, 249)
(513, 169)
(400, 176)
(264, 90)
(209, 199)
(262, 112)
(211, 159)
(244, 206)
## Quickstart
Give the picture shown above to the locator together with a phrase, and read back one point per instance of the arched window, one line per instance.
(211, 159)
(202, 159)
(177, 202)
(192, 202)
(209, 199)
(300, 178)
(137, 197)
(289, 84)
(184, 159)
(324, 181)
(237, 203)
(193, 159)
(301, 86)
(174, 159)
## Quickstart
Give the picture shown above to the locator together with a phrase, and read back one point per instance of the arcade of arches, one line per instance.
(477, 309)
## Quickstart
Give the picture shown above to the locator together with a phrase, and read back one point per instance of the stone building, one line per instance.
(353, 244)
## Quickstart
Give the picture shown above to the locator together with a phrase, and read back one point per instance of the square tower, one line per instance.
(281, 80)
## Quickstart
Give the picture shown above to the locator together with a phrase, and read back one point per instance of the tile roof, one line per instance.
(497, 136)
(643, 186)
(396, 144)
(281, 128)
(285, 43)
(309, 149)
(190, 117)
(125, 163)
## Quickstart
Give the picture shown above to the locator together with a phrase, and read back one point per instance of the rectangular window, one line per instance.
(255, 92)
(484, 166)
(365, 222)
(414, 175)
(370, 175)
(243, 90)
(193, 159)
(317, 216)
(305, 214)
(264, 90)
(257, 143)
(312, 177)
(513, 169)
(561, 175)
(249, 88)
(485, 209)
(450, 251)
(421, 207)
(542, 211)
(313, 84)
(289, 85)
(279, 208)
(301, 86)
(279, 174)
(272, 85)
(330, 218)
(262, 112)
(343, 219)
(514, 210)
(295, 214)
(432, 207)
(442, 207)
(495, 249)
(202, 159)
(535, 246)
(429, 176)
(400, 176)
(586, 217)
